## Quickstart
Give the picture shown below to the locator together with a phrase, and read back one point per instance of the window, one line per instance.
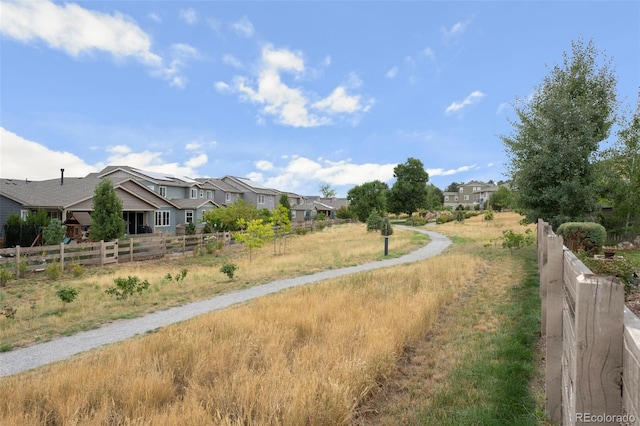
(293, 214)
(163, 191)
(163, 218)
(260, 199)
(24, 214)
(466, 198)
(446, 198)
(201, 193)
(194, 193)
(188, 216)
(455, 198)
(461, 189)
(227, 196)
(209, 195)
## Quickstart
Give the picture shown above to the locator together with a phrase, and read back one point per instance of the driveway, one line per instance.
(62, 348)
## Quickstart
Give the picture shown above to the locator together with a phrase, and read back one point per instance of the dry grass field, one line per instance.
(40, 315)
(316, 355)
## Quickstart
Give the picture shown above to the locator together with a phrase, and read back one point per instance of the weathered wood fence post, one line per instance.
(554, 295)
(62, 256)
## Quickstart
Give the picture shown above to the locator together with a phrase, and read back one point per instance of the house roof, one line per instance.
(193, 203)
(83, 219)
(219, 184)
(156, 177)
(249, 185)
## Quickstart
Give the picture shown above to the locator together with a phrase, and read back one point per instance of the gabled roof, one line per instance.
(158, 178)
(219, 184)
(248, 184)
(193, 203)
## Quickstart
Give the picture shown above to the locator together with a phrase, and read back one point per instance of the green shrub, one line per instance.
(181, 276)
(512, 240)
(77, 270)
(374, 221)
(229, 269)
(415, 221)
(5, 276)
(125, 287)
(587, 236)
(488, 215)
(190, 229)
(214, 245)
(619, 267)
(67, 294)
(301, 231)
(53, 271)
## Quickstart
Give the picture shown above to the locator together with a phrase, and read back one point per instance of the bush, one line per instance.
(415, 221)
(444, 217)
(5, 276)
(301, 231)
(512, 240)
(190, 229)
(587, 236)
(374, 221)
(386, 229)
(54, 233)
(618, 267)
(53, 271)
(229, 269)
(77, 270)
(126, 287)
(488, 215)
(67, 294)
(214, 245)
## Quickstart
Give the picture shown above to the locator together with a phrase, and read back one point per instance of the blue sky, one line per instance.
(290, 94)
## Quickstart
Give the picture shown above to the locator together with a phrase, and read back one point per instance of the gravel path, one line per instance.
(62, 348)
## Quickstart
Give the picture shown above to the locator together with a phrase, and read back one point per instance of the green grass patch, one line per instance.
(491, 383)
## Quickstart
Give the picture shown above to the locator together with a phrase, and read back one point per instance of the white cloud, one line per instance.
(291, 105)
(75, 30)
(455, 31)
(197, 161)
(428, 52)
(229, 59)
(222, 87)
(301, 172)
(338, 101)
(243, 27)
(193, 146)
(25, 159)
(449, 172)
(154, 17)
(326, 61)
(264, 165)
(392, 73)
(78, 31)
(189, 16)
(502, 107)
(181, 53)
(118, 149)
(473, 98)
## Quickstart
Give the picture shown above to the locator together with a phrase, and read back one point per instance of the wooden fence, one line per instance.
(592, 341)
(140, 247)
(143, 247)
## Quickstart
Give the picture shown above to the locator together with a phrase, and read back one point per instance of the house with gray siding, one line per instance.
(253, 192)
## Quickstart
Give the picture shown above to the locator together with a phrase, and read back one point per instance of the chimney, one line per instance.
(61, 176)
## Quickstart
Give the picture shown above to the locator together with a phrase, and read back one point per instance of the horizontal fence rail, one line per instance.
(592, 341)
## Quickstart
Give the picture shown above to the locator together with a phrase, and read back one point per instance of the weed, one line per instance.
(67, 294)
(53, 271)
(229, 269)
(126, 287)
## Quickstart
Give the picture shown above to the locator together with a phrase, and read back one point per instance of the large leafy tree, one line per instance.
(284, 202)
(409, 193)
(620, 171)
(327, 191)
(106, 220)
(226, 218)
(367, 197)
(435, 197)
(556, 135)
(501, 199)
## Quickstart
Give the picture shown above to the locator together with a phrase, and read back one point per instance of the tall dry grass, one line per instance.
(41, 315)
(308, 355)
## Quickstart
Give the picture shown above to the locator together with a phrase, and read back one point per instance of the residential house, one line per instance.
(254, 193)
(469, 195)
(224, 194)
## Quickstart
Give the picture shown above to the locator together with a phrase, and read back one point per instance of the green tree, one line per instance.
(345, 212)
(327, 191)
(453, 187)
(284, 201)
(106, 220)
(620, 171)
(501, 199)
(281, 227)
(367, 197)
(435, 197)
(556, 135)
(409, 192)
(226, 218)
(54, 233)
(255, 234)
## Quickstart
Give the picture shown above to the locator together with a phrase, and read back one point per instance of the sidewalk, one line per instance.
(62, 348)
